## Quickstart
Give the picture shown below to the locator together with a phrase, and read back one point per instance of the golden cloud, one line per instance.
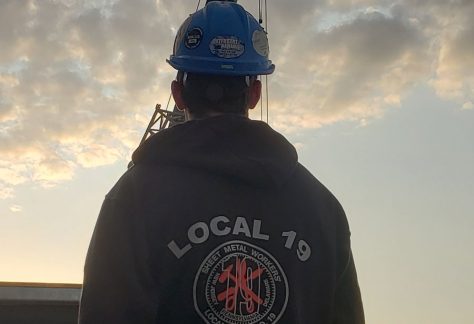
(78, 79)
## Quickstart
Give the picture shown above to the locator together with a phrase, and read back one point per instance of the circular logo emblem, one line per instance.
(260, 43)
(193, 38)
(240, 283)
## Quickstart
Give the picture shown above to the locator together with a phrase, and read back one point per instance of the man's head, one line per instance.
(203, 95)
(219, 51)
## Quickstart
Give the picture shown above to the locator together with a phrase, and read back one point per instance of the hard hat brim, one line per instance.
(212, 66)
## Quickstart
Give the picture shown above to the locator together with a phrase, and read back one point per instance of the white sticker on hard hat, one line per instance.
(193, 38)
(227, 47)
(260, 42)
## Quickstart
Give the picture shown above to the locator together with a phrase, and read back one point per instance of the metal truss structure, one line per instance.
(162, 119)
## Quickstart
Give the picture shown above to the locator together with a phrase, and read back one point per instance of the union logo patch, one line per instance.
(239, 282)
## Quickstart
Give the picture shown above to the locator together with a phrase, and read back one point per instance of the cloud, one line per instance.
(454, 77)
(12, 175)
(5, 192)
(78, 78)
(468, 105)
(350, 71)
(449, 28)
(53, 170)
(352, 60)
(72, 77)
(97, 155)
(16, 208)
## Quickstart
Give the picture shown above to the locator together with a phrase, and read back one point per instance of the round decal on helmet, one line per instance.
(260, 42)
(228, 47)
(239, 282)
(193, 38)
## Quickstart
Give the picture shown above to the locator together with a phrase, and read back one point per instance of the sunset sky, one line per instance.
(377, 96)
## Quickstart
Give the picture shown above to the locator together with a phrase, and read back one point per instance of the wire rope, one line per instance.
(266, 76)
(168, 104)
(266, 16)
(267, 96)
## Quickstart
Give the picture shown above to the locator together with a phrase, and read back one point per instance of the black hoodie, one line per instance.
(217, 222)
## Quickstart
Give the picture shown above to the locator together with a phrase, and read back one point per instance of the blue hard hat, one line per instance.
(223, 39)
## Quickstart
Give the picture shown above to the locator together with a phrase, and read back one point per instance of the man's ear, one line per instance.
(255, 92)
(177, 91)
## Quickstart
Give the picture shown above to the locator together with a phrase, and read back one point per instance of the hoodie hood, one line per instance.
(229, 145)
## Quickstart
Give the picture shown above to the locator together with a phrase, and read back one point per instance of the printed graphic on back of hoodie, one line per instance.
(239, 282)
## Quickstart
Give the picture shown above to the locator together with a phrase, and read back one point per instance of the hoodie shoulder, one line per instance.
(230, 146)
(311, 184)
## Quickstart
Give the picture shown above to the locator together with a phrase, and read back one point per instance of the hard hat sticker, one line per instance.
(260, 42)
(193, 38)
(228, 47)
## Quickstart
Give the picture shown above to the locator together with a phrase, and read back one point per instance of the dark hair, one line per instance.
(204, 93)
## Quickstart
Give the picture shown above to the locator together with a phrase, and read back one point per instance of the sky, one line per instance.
(377, 96)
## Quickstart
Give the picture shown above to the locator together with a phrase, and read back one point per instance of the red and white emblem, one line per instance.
(240, 283)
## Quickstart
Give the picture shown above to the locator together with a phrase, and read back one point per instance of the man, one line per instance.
(217, 222)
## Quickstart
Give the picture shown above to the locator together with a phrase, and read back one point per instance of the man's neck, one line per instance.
(190, 116)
